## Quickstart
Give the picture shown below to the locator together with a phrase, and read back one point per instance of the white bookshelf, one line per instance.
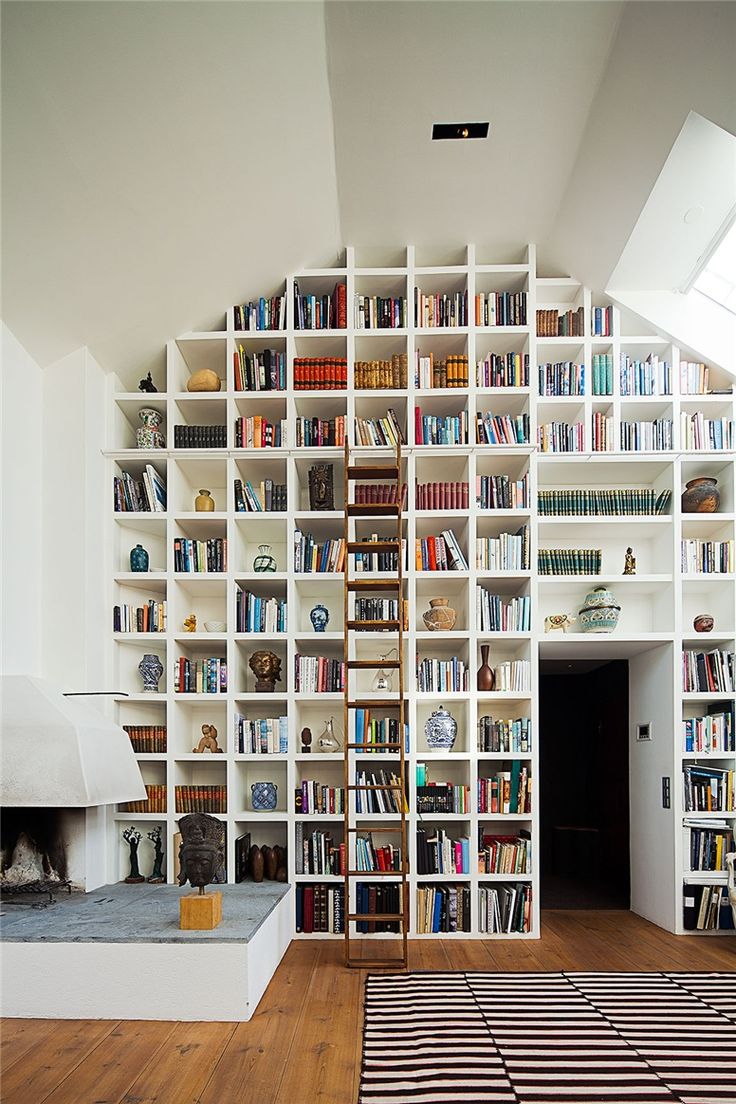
(658, 603)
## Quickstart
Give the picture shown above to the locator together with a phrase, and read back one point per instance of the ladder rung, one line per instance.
(376, 625)
(373, 509)
(371, 664)
(374, 747)
(374, 584)
(373, 546)
(378, 917)
(373, 703)
(376, 827)
(373, 471)
(375, 874)
(375, 963)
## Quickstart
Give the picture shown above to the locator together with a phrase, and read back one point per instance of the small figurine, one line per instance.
(630, 564)
(190, 623)
(321, 490)
(306, 739)
(133, 838)
(558, 622)
(208, 741)
(267, 668)
(148, 385)
(157, 874)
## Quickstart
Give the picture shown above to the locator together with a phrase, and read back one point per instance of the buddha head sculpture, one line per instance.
(202, 850)
(267, 668)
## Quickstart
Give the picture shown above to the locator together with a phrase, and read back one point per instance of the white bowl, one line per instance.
(216, 626)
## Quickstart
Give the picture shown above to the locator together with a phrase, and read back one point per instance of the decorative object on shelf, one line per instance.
(319, 615)
(190, 623)
(201, 861)
(703, 623)
(204, 380)
(440, 616)
(157, 874)
(204, 503)
(256, 863)
(216, 626)
(263, 796)
(701, 496)
(630, 562)
(486, 677)
(306, 738)
(265, 560)
(600, 613)
(148, 386)
(280, 856)
(267, 668)
(440, 728)
(383, 680)
(133, 838)
(558, 622)
(269, 864)
(321, 490)
(148, 435)
(151, 670)
(208, 741)
(138, 558)
(328, 740)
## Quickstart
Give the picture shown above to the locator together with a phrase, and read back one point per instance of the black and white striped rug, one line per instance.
(570, 1038)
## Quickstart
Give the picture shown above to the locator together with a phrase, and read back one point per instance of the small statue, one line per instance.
(321, 490)
(202, 850)
(558, 622)
(148, 385)
(267, 668)
(157, 874)
(306, 739)
(630, 564)
(208, 741)
(190, 623)
(133, 838)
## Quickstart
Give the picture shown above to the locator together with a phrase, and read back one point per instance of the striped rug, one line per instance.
(569, 1038)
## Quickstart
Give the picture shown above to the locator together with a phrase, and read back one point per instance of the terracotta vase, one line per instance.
(486, 677)
(701, 496)
(441, 616)
(204, 503)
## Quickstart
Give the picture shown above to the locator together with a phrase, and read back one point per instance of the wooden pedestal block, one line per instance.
(200, 911)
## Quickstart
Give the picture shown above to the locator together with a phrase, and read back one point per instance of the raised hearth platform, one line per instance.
(118, 953)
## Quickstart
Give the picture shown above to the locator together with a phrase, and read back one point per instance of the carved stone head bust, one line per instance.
(202, 851)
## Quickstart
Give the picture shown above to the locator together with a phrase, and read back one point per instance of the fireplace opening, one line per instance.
(35, 849)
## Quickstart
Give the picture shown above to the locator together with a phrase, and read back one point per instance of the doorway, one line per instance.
(584, 784)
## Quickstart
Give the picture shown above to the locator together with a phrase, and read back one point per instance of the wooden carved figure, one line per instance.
(208, 741)
(133, 838)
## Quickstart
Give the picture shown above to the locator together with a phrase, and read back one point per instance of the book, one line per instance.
(261, 370)
(326, 311)
(265, 313)
(503, 370)
(382, 375)
(320, 373)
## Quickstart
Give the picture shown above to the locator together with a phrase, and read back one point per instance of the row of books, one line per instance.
(318, 853)
(318, 675)
(386, 797)
(264, 370)
(256, 614)
(507, 791)
(145, 495)
(569, 561)
(711, 733)
(708, 672)
(708, 789)
(437, 853)
(653, 436)
(381, 312)
(441, 797)
(318, 432)
(443, 909)
(320, 373)
(503, 370)
(501, 308)
(512, 675)
(565, 377)
(378, 899)
(147, 739)
(261, 735)
(379, 561)
(499, 492)
(501, 429)
(505, 908)
(369, 857)
(155, 801)
(442, 496)
(438, 429)
(377, 609)
(597, 502)
(512, 736)
(201, 557)
(505, 854)
(602, 432)
(442, 553)
(319, 908)
(312, 797)
(379, 431)
(261, 314)
(554, 323)
(493, 614)
(506, 552)
(441, 310)
(321, 312)
(201, 799)
(364, 493)
(709, 844)
(706, 434)
(430, 373)
(601, 321)
(150, 618)
(200, 436)
(442, 676)
(694, 378)
(709, 557)
(200, 676)
(269, 497)
(382, 375)
(644, 377)
(561, 437)
(376, 732)
(706, 908)
(258, 432)
(310, 556)
(602, 365)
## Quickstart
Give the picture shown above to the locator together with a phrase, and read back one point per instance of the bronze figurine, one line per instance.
(267, 668)
(630, 563)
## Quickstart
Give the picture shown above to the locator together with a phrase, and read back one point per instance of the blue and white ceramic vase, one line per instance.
(440, 729)
(138, 558)
(263, 796)
(319, 615)
(600, 613)
(151, 670)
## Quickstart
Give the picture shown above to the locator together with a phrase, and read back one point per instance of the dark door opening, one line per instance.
(584, 784)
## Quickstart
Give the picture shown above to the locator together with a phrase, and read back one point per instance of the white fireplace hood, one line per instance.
(61, 752)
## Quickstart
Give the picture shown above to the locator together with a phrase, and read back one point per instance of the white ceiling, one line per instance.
(163, 160)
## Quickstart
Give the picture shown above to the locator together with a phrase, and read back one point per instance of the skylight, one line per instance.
(717, 280)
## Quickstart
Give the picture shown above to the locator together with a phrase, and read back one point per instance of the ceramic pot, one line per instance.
(151, 670)
(264, 561)
(263, 796)
(319, 615)
(149, 436)
(486, 677)
(703, 623)
(440, 729)
(204, 503)
(204, 380)
(138, 558)
(600, 613)
(701, 496)
(440, 616)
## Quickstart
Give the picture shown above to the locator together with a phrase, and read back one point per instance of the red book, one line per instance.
(418, 426)
(308, 918)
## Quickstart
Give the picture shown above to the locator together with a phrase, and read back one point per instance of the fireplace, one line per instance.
(41, 849)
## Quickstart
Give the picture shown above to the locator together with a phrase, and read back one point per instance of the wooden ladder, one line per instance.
(390, 586)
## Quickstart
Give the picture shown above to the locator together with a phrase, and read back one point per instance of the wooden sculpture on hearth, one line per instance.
(201, 857)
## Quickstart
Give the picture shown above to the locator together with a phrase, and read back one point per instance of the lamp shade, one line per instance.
(59, 752)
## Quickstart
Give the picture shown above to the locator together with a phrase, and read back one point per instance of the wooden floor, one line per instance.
(303, 1044)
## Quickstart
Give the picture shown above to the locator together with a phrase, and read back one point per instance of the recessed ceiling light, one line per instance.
(692, 215)
(459, 131)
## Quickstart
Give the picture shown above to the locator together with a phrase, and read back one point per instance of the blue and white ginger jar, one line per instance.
(440, 729)
(263, 796)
